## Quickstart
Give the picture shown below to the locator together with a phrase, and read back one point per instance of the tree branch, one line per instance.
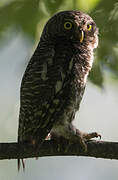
(98, 149)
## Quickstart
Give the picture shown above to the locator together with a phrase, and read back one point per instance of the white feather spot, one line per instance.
(46, 105)
(38, 113)
(71, 64)
(56, 101)
(58, 86)
(43, 115)
(62, 76)
(50, 61)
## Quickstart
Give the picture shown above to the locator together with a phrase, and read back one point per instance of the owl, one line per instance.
(55, 78)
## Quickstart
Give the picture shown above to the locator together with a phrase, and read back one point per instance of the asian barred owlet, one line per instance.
(55, 78)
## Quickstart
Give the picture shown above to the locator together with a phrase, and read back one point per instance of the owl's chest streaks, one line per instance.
(46, 72)
(49, 92)
(49, 73)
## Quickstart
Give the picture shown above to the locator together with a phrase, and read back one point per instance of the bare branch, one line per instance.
(98, 149)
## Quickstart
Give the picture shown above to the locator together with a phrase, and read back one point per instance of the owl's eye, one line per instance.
(89, 27)
(67, 25)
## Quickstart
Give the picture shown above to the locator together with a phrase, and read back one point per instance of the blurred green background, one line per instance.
(21, 23)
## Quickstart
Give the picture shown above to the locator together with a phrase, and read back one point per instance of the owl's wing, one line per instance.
(41, 93)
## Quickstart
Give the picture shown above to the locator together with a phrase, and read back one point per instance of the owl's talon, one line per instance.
(99, 136)
(83, 137)
(95, 135)
(88, 136)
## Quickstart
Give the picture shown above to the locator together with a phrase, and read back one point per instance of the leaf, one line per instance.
(52, 6)
(23, 14)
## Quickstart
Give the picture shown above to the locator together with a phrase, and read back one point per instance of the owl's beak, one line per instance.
(81, 36)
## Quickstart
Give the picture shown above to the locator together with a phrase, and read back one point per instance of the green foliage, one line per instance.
(52, 6)
(23, 14)
(106, 17)
(28, 15)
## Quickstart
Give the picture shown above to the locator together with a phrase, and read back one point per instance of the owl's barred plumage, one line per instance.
(55, 78)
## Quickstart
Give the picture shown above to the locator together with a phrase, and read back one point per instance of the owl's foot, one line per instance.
(73, 138)
(73, 135)
(82, 138)
(85, 137)
(88, 136)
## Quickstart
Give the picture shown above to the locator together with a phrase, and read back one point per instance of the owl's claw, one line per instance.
(75, 135)
(88, 136)
(83, 137)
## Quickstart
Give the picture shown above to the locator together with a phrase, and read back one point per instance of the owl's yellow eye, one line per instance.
(68, 25)
(89, 27)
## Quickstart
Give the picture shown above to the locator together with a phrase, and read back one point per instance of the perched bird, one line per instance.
(55, 79)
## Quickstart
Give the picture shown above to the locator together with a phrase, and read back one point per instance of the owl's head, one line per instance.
(73, 26)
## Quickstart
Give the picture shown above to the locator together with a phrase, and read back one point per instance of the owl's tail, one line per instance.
(19, 161)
